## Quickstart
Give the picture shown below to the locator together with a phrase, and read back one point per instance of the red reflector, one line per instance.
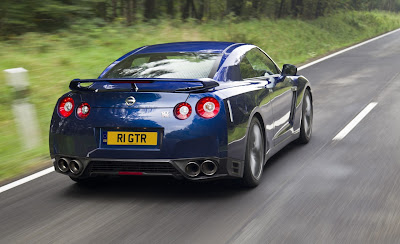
(130, 173)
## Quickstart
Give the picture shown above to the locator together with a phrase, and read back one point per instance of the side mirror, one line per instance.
(289, 69)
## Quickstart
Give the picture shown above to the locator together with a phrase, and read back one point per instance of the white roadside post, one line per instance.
(24, 112)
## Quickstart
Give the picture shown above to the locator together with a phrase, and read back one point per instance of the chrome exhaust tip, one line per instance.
(209, 167)
(192, 169)
(75, 166)
(63, 165)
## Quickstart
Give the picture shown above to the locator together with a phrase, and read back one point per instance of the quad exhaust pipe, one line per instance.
(209, 167)
(75, 166)
(63, 165)
(192, 169)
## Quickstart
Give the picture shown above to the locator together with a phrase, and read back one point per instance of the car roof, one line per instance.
(204, 47)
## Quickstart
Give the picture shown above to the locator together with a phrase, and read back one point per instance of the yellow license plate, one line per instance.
(131, 138)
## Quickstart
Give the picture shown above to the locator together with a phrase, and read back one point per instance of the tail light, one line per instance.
(83, 110)
(66, 107)
(182, 111)
(207, 107)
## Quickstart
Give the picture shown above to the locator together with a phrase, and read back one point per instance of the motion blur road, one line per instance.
(327, 191)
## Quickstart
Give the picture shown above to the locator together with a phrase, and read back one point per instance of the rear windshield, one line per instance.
(165, 65)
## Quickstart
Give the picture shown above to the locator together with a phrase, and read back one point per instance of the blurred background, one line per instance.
(59, 40)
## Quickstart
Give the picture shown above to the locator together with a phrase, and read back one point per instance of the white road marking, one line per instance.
(345, 50)
(26, 179)
(51, 169)
(354, 122)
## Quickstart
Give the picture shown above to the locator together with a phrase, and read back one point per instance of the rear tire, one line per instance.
(254, 158)
(306, 119)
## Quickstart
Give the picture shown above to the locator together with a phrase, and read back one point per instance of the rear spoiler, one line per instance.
(207, 83)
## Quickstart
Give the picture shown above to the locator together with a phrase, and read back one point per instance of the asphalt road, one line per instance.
(327, 191)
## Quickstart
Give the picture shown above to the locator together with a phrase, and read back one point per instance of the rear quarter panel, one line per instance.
(246, 101)
(302, 84)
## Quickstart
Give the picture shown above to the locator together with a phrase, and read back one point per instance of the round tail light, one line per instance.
(83, 110)
(66, 107)
(207, 107)
(182, 111)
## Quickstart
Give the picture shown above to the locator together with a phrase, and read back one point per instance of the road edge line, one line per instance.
(26, 179)
(346, 49)
(350, 126)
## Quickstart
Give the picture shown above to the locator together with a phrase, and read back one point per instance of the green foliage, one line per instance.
(21, 16)
(18, 17)
(86, 49)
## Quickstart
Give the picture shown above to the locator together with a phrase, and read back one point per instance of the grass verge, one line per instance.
(85, 50)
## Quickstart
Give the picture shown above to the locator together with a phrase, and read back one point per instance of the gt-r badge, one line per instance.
(130, 101)
(165, 114)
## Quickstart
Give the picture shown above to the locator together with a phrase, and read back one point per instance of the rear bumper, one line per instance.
(91, 167)
(191, 138)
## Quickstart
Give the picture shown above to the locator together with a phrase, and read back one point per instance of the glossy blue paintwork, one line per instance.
(224, 137)
(181, 138)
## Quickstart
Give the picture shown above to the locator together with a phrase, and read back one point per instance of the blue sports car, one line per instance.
(192, 110)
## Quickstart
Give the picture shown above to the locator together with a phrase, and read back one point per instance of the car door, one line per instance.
(282, 96)
(280, 92)
(254, 68)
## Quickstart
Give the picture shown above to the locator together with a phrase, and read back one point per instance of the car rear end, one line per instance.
(151, 112)
(139, 133)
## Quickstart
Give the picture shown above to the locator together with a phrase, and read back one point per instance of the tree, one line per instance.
(297, 8)
(235, 6)
(114, 9)
(149, 9)
(20, 16)
(170, 8)
(189, 10)
(281, 9)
